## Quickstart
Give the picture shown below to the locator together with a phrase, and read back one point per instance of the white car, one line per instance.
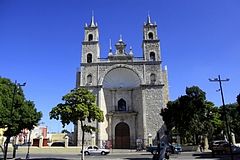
(95, 150)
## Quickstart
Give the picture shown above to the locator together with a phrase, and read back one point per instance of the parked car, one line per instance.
(217, 146)
(96, 150)
(171, 148)
(176, 148)
(61, 144)
(58, 144)
(152, 149)
(226, 149)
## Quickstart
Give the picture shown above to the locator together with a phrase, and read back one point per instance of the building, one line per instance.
(130, 90)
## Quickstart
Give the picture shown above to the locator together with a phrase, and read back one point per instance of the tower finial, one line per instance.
(148, 19)
(110, 44)
(110, 48)
(92, 24)
(131, 52)
(120, 40)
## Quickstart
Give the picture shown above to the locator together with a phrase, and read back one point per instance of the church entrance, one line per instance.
(122, 136)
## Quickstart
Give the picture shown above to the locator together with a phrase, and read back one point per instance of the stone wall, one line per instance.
(152, 107)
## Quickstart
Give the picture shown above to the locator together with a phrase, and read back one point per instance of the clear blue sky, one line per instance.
(40, 43)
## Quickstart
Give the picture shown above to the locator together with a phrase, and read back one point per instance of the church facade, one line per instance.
(129, 90)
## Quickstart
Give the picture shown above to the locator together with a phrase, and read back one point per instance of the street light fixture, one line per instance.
(14, 93)
(219, 80)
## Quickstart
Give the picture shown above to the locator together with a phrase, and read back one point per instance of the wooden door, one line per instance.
(122, 136)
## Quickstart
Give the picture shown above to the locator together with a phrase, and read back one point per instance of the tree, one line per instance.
(16, 113)
(65, 131)
(238, 101)
(190, 114)
(79, 105)
(233, 118)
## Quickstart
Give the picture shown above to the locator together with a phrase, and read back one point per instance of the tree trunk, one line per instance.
(82, 157)
(14, 148)
(6, 147)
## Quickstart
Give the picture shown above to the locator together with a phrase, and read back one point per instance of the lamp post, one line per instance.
(219, 80)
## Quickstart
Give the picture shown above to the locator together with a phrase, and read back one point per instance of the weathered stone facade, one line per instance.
(130, 90)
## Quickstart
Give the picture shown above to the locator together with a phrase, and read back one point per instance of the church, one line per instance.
(130, 90)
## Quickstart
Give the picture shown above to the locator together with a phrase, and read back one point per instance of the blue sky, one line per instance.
(40, 43)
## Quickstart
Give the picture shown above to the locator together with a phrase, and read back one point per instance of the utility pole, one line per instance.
(219, 80)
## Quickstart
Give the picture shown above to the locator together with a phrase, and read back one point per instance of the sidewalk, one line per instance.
(72, 150)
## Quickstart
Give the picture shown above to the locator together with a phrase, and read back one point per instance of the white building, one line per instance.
(130, 90)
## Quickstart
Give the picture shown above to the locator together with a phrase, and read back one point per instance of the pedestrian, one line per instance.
(162, 151)
(201, 146)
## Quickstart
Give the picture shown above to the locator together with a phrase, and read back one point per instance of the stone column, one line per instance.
(41, 141)
(206, 146)
(93, 142)
(233, 138)
(66, 140)
(149, 139)
(178, 139)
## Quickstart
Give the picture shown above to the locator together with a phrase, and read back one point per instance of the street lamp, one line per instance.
(219, 80)
(14, 93)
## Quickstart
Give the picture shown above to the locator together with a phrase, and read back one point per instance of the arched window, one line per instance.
(152, 56)
(153, 78)
(89, 58)
(90, 37)
(121, 105)
(89, 79)
(150, 35)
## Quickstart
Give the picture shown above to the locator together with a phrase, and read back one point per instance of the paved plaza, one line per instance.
(116, 154)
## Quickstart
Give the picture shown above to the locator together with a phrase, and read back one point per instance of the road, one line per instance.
(124, 156)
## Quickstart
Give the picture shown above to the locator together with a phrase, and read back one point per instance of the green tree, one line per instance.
(238, 101)
(79, 105)
(16, 113)
(190, 115)
(65, 131)
(233, 118)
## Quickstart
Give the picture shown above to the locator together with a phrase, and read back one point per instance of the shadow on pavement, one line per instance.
(215, 157)
(206, 155)
(138, 158)
(45, 159)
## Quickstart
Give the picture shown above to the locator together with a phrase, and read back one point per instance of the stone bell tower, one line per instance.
(90, 45)
(151, 43)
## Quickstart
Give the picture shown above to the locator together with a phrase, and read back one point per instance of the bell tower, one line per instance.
(151, 43)
(90, 45)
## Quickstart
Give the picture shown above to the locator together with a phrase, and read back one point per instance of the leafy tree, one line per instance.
(190, 114)
(233, 118)
(79, 105)
(238, 101)
(16, 113)
(65, 131)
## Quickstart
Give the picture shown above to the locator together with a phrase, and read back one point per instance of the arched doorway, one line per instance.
(122, 136)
